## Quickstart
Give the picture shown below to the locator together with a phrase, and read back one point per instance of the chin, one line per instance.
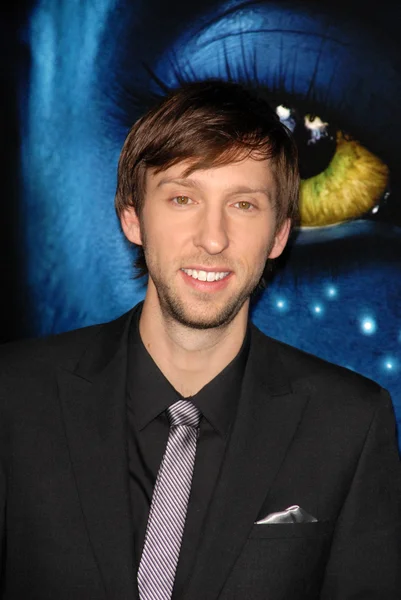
(203, 324)
(204, 319)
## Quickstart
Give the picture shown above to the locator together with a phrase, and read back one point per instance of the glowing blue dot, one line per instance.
(317, 309)
(331, 292)
(368, 326)
(390, 364)
(281, 304)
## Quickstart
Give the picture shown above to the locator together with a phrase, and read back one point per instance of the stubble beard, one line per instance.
(174, 308)
(177, 310)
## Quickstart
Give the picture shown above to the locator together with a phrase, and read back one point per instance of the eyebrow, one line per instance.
(235, 190)
(180, 181)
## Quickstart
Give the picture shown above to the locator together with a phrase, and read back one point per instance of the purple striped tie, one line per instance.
(168, 510)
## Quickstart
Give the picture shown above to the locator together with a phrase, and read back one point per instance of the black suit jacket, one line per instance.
(306, 433)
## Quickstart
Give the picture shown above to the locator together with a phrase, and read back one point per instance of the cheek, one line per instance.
(253, 242)
(165, 231)
(160, 239)
(154, 229)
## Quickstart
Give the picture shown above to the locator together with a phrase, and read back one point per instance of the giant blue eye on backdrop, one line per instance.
(333, 75)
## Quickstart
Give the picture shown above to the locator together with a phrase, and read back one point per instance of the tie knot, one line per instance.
(183, 412)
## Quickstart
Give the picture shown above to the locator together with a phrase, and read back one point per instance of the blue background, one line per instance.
(84, 72)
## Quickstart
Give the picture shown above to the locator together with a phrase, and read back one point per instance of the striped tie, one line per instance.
(169, 505)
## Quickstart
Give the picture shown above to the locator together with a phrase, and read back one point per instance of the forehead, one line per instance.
(253, 173)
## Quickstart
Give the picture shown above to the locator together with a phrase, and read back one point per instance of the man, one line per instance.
(178, 452)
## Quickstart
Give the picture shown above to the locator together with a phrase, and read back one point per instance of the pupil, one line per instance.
(316, 150)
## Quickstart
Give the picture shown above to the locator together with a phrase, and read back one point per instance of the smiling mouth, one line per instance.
(206, 275)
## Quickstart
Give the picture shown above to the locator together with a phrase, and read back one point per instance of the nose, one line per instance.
(211, 234)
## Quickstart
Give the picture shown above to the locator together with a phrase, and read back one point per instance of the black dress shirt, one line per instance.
(149, 394)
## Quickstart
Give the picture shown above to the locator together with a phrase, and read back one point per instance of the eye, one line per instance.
(315, 75)
(182, 200)
(244, 205)
(340, 178)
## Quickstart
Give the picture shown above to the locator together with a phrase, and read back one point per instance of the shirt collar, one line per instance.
(150, 393)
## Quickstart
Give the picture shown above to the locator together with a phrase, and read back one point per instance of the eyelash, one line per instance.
(133, 101)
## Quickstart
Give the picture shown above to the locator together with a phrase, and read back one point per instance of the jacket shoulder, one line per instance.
(63, 349)
(320, 378)
(51, 349)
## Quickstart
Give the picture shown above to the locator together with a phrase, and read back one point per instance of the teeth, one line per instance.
(206, 275)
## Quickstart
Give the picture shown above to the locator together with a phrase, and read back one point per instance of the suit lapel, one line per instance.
(93, 405)
(267, 418)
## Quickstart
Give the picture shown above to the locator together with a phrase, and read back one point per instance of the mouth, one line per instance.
(209, 276)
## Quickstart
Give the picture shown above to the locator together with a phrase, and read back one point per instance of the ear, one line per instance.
(131, 226)
(280, 239)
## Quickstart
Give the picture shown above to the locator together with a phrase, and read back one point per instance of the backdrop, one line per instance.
(77, 74)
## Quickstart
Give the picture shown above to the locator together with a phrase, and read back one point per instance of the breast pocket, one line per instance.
(291, 530)
(281, 561)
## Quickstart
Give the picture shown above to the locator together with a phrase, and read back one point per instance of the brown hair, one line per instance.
(210, 123)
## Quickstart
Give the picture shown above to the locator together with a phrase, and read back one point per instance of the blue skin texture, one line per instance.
(95, 69)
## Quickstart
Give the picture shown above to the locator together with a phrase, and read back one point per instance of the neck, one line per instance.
(189, 358)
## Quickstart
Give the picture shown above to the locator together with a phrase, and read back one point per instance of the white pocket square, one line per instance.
(292, 514)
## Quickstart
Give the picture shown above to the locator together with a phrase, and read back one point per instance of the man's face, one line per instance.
(206, 238)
